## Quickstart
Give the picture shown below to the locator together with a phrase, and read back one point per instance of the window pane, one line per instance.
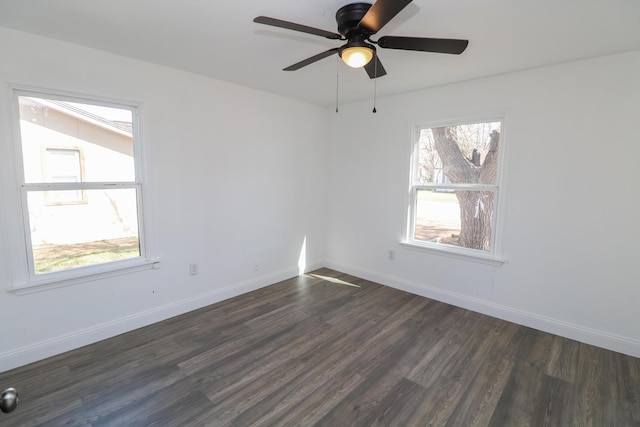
(65, 197)
(437, 217)
(461, 218)
(461, 154)
(103, 229)
(100, 137)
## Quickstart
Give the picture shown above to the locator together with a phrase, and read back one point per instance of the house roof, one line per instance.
(71, 109)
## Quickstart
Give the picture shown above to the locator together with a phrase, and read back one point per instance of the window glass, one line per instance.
(80, 191)
(104, 229)
(455, 186)
(103, 134)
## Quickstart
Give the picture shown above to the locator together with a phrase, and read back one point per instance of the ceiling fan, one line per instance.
(357, 22)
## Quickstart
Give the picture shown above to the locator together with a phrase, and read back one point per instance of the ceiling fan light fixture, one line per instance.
(356, 56)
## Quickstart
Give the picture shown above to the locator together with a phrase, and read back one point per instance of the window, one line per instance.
(454, 188)
(81, 195)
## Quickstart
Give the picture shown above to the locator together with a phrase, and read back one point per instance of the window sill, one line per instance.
(455, 252)
(74, 277)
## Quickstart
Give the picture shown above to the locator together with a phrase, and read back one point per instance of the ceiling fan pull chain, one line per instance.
(375, 81)
(337, 80)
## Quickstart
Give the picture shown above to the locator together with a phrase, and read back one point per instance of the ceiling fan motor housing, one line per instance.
(348, 18)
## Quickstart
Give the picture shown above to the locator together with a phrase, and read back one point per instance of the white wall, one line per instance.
(234, 176)
(571, 206)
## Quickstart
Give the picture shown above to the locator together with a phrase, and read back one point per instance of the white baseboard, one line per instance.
(583, 334)
(76, 339)
(60, 344)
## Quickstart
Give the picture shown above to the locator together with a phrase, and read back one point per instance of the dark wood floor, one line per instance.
(330, 349)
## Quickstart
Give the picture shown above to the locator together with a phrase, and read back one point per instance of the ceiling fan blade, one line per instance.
(453, 46)
(296, 27)
(375, 69)
(380, 13)
(311, 60)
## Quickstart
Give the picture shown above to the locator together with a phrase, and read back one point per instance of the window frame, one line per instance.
(492, 257)
(25, 278)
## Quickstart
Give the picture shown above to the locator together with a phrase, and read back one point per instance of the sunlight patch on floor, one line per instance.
(333, 280)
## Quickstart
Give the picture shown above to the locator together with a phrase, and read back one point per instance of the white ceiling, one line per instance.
(217, 38)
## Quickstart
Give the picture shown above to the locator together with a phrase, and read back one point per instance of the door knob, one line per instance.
(9, 400)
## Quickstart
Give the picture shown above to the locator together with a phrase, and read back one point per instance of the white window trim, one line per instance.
(493, 257)
(85, 274)
(23, 274)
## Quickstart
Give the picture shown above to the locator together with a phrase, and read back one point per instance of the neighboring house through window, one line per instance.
(81, 194)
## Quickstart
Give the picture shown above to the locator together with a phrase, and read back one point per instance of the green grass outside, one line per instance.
(50, 258)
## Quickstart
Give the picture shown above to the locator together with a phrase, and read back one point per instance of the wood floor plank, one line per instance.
(532, 398)
(481, 397)
(398, 405)
(336, 390)
(330, 349)
(355, 354)
(350, 344)
(392, 363)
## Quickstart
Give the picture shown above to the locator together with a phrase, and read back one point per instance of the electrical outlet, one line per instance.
(256, 266)
(392, 255)
(193, 269)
